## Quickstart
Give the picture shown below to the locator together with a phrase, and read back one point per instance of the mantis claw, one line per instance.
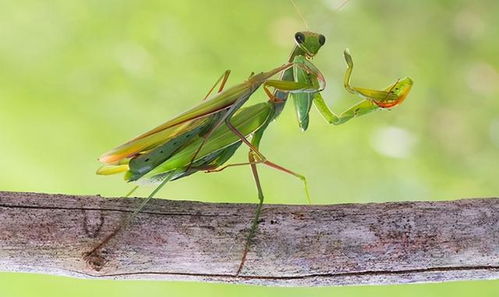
(348, 58)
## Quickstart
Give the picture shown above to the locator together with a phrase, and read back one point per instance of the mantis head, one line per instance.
(397, 92)
(309, 42)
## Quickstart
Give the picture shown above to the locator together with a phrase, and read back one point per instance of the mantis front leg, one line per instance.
(391, 96)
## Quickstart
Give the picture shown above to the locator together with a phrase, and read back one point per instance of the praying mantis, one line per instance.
(206, 136)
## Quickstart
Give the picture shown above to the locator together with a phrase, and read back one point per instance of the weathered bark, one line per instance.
(318, 245)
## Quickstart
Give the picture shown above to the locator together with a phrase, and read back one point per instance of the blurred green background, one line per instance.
(79, 77)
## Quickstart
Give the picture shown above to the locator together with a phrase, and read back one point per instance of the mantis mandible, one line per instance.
(206, 136)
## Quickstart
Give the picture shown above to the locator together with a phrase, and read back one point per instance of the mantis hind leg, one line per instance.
(256, 218)
(254, 159)
(92, 256)
(131, 191)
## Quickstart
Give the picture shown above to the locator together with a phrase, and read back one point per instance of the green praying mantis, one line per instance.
(206, 136)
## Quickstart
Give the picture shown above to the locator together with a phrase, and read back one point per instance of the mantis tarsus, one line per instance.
(206, 136)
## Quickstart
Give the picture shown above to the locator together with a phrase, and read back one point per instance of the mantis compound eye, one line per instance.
(322, 39)
(299, 37)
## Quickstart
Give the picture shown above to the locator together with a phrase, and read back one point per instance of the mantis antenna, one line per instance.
(300, 14)
(342, 5)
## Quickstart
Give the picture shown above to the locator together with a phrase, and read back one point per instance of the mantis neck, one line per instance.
(297, 51)
(286, 75)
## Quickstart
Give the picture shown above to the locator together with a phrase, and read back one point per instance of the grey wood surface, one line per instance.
(319, 245)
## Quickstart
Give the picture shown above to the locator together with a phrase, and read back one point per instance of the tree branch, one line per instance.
(348, 244)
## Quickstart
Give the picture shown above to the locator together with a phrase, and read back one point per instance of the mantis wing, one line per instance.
(198, 115)
(247, 120)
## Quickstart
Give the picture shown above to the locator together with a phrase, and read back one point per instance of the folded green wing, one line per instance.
(247, 120)
(176, 126)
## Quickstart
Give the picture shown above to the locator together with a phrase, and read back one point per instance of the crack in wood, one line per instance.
(114, 210)
(323, 275)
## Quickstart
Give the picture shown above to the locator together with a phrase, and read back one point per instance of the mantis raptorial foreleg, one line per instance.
(361, 108)
(373, 99)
